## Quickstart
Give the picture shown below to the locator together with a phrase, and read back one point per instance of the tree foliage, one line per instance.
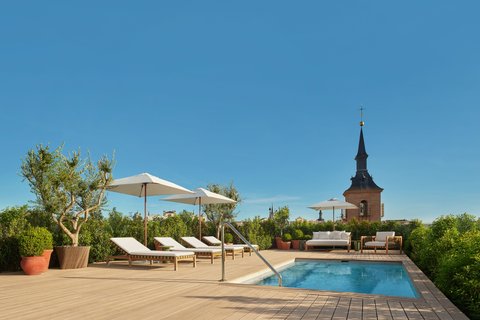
(217, 213)
(66, 187)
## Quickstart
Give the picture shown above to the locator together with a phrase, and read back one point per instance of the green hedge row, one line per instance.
(448, 252)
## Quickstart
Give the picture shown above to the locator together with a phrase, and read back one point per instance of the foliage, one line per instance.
(190, 221)
(228, 237)
(68, 188)
(33, 241)
(13, 221)
(280, 217)
(217, 213)
(287, 237)
(172, 227)
(449, 253)
(297, 234)
(256, 232)
(96, 233)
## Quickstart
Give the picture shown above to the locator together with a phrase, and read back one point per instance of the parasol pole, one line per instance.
(145, 224)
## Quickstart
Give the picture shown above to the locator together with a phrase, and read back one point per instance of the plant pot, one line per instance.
(282, 245)
(47, 253)
(72, 257)
(33, 265)
(296, 244)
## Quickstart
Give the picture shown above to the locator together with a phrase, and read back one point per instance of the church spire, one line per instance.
(362, 179)
(362, 155)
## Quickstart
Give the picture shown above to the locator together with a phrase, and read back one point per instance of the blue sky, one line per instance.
(264, 94)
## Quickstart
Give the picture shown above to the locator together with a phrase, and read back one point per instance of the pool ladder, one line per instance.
(228, 224)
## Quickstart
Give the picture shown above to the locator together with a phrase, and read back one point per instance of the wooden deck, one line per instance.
(158, 292)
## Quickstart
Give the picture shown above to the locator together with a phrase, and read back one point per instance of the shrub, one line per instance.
(287, 237)
(33, 241)
(9, 255)
(297, 234)
(228, 237)
(307, 237)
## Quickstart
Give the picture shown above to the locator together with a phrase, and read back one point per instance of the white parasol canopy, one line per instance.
(200, 196)
(333, 204)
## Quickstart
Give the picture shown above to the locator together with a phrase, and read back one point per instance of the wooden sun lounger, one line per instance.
(197, 244)
(135, 251)
(177, 247)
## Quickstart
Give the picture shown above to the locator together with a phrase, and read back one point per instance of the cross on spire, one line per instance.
(362, 123)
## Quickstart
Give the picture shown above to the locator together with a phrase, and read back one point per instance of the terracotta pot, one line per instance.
(282, 245)
(46, 255)
(296, 244)
(72, 257)
(33, 265)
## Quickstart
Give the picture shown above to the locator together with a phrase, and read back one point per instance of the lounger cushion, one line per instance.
(162, 253)
(167, 241)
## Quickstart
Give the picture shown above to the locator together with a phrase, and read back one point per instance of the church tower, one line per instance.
(363, 192)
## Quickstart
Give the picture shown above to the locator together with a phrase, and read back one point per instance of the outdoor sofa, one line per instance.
(134, 250)
(173, 245)
(330, 239)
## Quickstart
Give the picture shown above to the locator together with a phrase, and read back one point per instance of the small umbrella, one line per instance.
(200, 196)
(332, 204)
(144, 185)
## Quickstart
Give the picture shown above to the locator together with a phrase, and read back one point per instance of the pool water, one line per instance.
(389, 279)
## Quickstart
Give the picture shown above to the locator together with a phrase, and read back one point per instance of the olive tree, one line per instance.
(68, 188)
(217, 213)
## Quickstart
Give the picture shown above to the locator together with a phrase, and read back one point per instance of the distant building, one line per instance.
(169, 213)
(363, 192)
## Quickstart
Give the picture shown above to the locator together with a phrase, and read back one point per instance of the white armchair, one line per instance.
(381, 240)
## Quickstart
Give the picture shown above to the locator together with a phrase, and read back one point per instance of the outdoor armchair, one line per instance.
(134, 250)
(381, 240)
(175, 246)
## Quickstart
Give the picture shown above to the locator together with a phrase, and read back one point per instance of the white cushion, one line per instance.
(345, 235)
(328, 242)
(316, 235)
(323, 235)
(382, 235)
(375, 244)
(336, 235)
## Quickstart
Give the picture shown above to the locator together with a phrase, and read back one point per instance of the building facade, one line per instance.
(363, 191)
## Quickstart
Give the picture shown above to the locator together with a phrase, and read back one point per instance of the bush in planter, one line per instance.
(33, 241)
(32, 244)
(307, 237)
(287, 237)
(296, 238)
(297, 234)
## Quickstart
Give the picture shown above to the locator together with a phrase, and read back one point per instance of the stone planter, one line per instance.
(72, 257)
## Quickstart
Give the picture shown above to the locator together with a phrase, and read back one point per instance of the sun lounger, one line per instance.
(195, 243)
(175, 246)
(134, 250)
(211, 240)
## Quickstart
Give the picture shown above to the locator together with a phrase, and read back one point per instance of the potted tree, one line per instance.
(280, 218)
(297, 236)
(70, 190)
(35, 247)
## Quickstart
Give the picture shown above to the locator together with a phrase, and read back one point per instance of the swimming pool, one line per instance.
(381, 278)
